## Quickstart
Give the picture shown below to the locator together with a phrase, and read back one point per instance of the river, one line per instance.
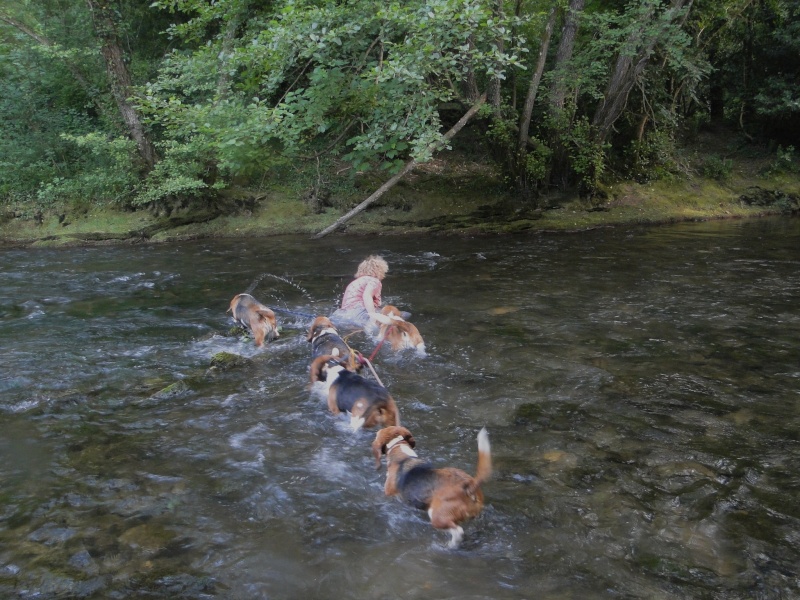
(640, 387)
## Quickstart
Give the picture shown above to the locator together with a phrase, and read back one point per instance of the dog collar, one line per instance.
(394, 442)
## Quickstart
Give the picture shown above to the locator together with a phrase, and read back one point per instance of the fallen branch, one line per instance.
(409, 166)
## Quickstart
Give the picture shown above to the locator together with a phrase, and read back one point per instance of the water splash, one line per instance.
(258, 279)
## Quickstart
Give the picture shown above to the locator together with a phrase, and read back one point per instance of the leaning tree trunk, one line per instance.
(628, 69)
(566, 46)
(533, 88)
(493, 95)
(73, 69)
(120, 80)
(409, 166)
(559, 161)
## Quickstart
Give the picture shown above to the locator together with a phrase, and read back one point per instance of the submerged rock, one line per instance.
(224, 361)
(171, 391)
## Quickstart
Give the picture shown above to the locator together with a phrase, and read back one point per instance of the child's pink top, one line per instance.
(354, 293)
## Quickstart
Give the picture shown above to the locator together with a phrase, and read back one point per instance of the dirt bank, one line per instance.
(453, 197)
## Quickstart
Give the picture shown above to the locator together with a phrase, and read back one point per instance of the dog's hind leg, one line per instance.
(441, 521)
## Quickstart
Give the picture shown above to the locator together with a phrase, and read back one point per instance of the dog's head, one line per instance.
(391, 311)
(371, 414)
(401, 334)
(267, 326)
(387, 436)
(319, 325)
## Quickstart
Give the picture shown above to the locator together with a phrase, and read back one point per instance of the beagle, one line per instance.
(367, 402)
(251, 314)
(400, 334)
(450, 495)
(325, 340)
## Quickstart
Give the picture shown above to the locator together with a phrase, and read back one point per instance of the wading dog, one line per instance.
(451, 496)
(400, 334)
(325, 340)
(367, 402)
(251, 314)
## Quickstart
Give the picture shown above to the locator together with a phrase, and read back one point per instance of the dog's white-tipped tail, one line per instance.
(484, 470)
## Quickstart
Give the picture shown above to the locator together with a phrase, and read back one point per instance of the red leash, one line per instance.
(378, 347)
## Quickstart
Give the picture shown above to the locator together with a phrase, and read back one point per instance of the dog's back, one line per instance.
(258, 318)
(350, 388)
(417, 484)
(325, 340)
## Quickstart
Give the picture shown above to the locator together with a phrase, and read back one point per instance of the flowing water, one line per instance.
(641, 389)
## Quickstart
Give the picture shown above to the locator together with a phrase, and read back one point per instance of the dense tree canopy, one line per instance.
(141, 104)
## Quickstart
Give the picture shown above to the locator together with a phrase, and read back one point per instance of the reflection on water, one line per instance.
(641, 389)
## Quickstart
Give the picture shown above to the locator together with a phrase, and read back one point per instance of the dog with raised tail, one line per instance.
(449, 495)
(252, 315)
(401, 334)
(368, 403)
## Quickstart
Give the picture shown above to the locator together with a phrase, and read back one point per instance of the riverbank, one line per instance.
(451, 195)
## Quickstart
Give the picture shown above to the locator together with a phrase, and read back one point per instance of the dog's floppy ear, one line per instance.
(378, 449)
(410, 439)
(379, 445)
(312, 330)
(234, 302)
(319, 368)
(266, 313)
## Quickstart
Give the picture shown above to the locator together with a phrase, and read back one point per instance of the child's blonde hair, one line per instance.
(374, 266)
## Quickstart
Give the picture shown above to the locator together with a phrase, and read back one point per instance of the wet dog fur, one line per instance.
(254, 316)
(401, 334)
(449, 495)
(368, 403)
(325, 340)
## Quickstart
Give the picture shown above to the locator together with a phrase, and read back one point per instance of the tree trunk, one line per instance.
(533, 88)
(494, 96)
(409, 166)
(120, 80)
(471, 83)
(627, 70)
(228, 40)
(566, 46)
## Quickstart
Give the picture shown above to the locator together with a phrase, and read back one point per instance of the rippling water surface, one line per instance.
(641, 389)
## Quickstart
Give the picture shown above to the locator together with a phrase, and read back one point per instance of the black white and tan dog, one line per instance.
(251, 314)
(368, 403)
(401, 334)
(325, 340)
(449, 495)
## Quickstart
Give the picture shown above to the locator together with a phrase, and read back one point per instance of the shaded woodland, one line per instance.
(152, 105)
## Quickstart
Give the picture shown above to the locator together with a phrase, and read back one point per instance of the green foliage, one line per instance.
(537, 161)
(716, 167)
(356, 78)
(756, 51)
(786, 161)
(588, 156)
(177, 177)
(651, 158)
(249, 90)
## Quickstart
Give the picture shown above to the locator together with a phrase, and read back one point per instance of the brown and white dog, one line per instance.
(251, 314)
(400, 334)
(367, 402)
(325, 340)
(451, 496)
